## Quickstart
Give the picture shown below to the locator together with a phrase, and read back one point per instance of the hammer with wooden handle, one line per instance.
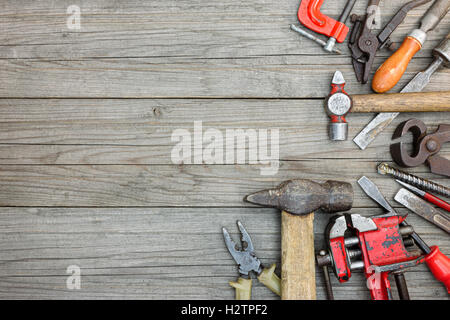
(338, 104)
(298, 199)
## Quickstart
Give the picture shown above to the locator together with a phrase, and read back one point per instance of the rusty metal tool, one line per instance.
(338, 104)
(426, 146)
(390, 72)
(383, 168)
(423, 209)
(437, 262)
(441, 58)
(356, 243)
(248, 262)
(310, 16)
(298, 199)
(378, 245)
(426, 196)
(364, 44)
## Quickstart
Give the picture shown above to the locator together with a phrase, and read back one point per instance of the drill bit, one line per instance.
(384, 168)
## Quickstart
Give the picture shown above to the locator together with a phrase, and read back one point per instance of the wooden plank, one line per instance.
(142, 253)
(227, 64)
(71, 157)
(260, 77)
(169, 185)
(138, 131)
(190, 28)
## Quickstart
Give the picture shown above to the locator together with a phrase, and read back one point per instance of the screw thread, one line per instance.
(384, 168)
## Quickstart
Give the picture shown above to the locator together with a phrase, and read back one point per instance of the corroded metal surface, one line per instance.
(301, 196)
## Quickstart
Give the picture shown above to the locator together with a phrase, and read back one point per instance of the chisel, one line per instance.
(427, 196)
(441, 58)
(423, 209)
(390, 72)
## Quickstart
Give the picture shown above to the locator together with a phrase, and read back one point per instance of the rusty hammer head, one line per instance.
(338, 104)
(301, 196)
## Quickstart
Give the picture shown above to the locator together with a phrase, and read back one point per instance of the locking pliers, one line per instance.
(248, 262)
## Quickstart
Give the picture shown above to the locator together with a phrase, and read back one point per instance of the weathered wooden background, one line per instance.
(86, 119)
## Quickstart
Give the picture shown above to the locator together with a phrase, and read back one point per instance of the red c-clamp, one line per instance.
(310, 16)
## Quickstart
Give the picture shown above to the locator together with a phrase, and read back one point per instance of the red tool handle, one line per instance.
(380, 287)
(439, 265)
(437, 201)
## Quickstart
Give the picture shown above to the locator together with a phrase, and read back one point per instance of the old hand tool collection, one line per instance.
(298, 199)
(438, 263)
(441, 58)
(390, 72)
(426, 146)
(248, 262)
(378, 245)
(310, 16)
(364, 44)
(338, 104)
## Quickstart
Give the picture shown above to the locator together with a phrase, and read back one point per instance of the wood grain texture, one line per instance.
(144, 253)
(403, 102)
(138, 131)
(178, 49)
(298, 276)
(170, 185)
(193, 28)
(86, 118)
(261, 77)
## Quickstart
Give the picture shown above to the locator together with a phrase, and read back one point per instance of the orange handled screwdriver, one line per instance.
(390, 72)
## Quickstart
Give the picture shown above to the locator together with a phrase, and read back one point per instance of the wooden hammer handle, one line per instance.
(298, 280)
(402, 102)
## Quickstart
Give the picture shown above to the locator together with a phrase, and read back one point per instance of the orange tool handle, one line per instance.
(390, 72)
(439, 265)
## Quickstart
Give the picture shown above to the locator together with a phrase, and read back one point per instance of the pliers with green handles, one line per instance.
(248, 262)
